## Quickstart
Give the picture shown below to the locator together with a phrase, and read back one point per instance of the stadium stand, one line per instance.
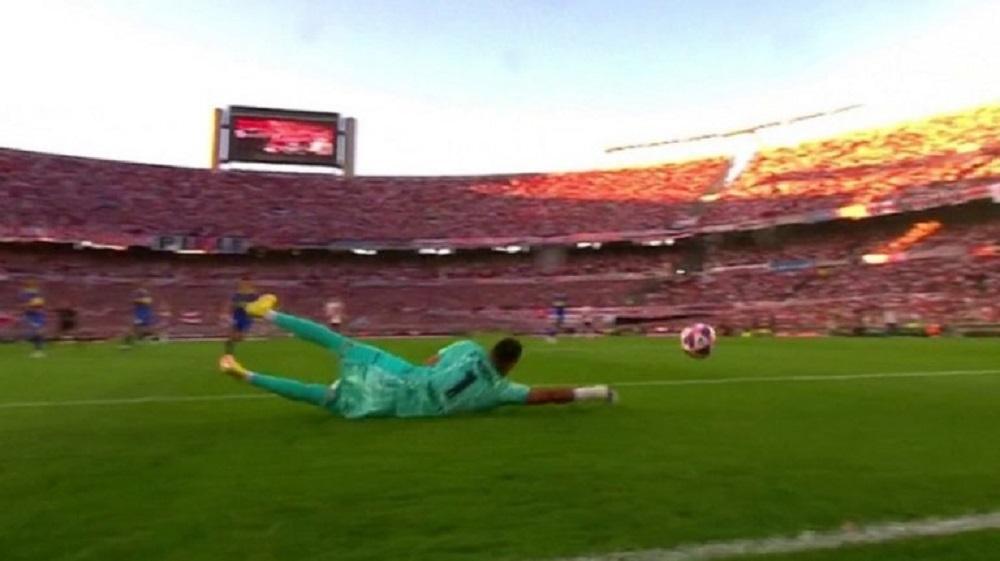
(866, 166)
(80, 198)
(68, 198)
(805, 277)
(813, 273)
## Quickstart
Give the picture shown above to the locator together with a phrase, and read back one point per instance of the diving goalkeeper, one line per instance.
(374, 383)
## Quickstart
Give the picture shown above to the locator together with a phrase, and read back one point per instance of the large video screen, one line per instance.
(278, 136)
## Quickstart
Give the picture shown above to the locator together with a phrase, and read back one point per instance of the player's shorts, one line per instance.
(242, 324)
(357, 354)
(143, 321)
(372, 382)
(560, 314)
(364, 391)
(34, 321)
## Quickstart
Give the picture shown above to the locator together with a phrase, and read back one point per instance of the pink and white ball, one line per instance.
(697, 340)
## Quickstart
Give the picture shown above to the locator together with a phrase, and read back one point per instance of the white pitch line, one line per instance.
(679, 382)
(132, 400)
(810, 541)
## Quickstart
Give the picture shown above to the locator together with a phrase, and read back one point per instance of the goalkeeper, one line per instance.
(374, 383)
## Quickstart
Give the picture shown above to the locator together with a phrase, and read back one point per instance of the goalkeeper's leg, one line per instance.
(310, 331)
(348, 349)
(317, 394)
(264, 307)
(345, 347)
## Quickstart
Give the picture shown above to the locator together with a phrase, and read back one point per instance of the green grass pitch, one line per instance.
(268, 479)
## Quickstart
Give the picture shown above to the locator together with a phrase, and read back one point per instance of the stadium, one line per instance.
(847, 411)
(894, 221)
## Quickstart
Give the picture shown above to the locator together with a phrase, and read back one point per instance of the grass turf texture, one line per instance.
(264, 479)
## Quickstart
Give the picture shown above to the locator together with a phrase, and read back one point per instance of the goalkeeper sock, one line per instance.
(591, 393)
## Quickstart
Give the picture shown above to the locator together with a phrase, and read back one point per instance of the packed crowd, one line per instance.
(79, 198)
(961, 228)
(430, 292)
(943, 291)
(750, 277)
(867, 165)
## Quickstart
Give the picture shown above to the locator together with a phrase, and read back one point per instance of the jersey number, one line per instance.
(459, 387)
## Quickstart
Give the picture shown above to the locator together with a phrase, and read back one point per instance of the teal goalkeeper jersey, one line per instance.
(463, 379)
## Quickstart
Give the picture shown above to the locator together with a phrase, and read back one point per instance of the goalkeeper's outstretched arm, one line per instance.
(541, 396)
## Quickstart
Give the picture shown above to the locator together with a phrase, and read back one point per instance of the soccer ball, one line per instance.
(697, 340)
